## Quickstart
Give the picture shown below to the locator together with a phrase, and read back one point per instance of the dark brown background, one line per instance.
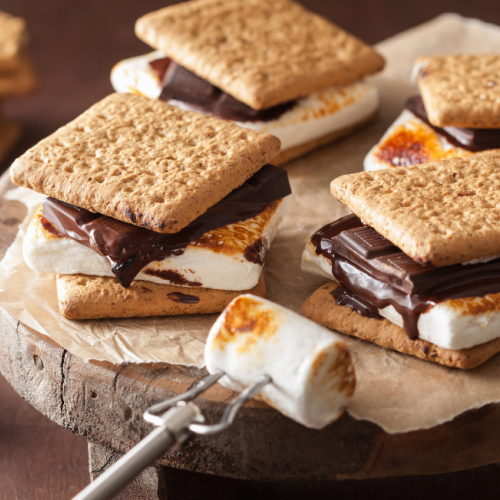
(75, 44)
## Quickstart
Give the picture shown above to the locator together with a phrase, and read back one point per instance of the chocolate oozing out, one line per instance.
(180, 84)
(375, 274)
(129, 248)
(471, 139)
(183, 298)
(345, 297)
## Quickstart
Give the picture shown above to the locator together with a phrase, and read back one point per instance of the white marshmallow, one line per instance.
(314, 116)
(408, 123)
(311, 369)
(456, 323)
(136, 76)
(215, 260)
(452, 324)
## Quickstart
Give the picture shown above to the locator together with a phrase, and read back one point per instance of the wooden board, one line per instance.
(105, 403)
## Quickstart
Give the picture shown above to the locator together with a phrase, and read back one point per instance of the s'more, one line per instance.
(151, 210)
(271, 66)
(456, 114)
(17, 75)
(416, 267)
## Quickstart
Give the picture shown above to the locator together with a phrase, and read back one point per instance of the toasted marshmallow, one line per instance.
(410, 141)
(451, 324)
(215, 260)
(311, 369)
(314, 116)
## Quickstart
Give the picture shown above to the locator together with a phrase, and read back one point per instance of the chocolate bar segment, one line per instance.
(376, 273)
(129, 248)
(471, 139)
(367, 242)
(180, 84)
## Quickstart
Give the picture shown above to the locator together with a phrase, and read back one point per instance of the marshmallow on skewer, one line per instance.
(310, 366)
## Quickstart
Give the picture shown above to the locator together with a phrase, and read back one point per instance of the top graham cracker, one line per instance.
(461, 90)
(144, 162)
(12, 40)
(440, 213)
(263, 53)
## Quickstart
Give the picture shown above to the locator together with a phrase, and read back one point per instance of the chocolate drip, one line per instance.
(375, 272)
(129, 248)
(180, 84)
(183, 298)
(471, 139)
(173, 276)
(345, 297)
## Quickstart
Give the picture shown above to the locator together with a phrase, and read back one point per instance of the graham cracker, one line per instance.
(97, 297)
(322, 308)
(263, 53)
(440, 213)
(9, 134)
(292, 153)
(19, 81)
(13, 39)
(143, 161)
(461, 90)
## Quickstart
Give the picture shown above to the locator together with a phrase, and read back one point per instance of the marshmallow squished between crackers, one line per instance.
(439, 213)
(410, 141)
(451, 324)
(317, 115)
(215, 260)
(261, 53)
(311, 369)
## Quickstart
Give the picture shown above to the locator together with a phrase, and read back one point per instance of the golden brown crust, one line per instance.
(322, 308)
(461, 90)
(246, 48)
(20, 80)
(144, 162)
(441, 213)
(97, 297)
(290, 154)
(9, 133)
(411, 143)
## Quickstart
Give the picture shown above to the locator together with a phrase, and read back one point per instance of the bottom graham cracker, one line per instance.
(322, 308)
(98, 297)
(292, 153)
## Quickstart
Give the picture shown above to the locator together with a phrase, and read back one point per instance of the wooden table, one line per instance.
(100, 34)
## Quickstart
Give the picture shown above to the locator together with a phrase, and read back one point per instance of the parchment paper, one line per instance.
(397, 392)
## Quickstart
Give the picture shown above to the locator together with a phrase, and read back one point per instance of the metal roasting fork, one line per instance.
(179, 421)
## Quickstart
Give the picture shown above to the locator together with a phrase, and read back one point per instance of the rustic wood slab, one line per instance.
(104, 402)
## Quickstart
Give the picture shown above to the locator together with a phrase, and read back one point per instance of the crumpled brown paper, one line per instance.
(397, 392)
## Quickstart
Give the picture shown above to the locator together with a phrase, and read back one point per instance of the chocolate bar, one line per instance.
(376, 274)
(471, 139)
(180, 84)
(129, 248)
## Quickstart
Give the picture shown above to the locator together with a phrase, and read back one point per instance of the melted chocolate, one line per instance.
(129, 248)
(183, 298)
(256, 252)
(376, 274)
(180, 84)
(345, 297)
(472, 139)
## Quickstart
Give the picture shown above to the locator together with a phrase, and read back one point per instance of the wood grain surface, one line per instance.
(75, 45)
